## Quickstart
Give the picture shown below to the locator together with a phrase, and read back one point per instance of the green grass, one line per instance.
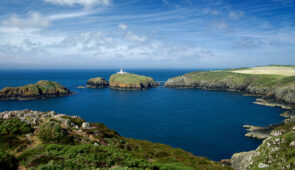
(129, 78)
(260, 80)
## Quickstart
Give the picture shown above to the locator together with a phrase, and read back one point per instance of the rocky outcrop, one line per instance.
(131, 81)
(275, 152)
(258, 132)
(42, 89)
(97, 82)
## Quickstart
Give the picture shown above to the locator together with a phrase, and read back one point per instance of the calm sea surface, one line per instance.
(206, 123)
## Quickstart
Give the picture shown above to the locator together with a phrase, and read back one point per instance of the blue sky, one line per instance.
(146, 33)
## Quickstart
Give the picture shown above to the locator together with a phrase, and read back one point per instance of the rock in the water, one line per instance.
(97, 82)
(42, 89)
(131, 81)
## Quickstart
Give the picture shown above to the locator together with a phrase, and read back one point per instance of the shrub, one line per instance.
(11, 127)
(7, 161)
(52, 132)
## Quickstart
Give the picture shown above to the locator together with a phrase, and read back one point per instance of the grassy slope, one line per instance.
(58, 147)
(260, 80)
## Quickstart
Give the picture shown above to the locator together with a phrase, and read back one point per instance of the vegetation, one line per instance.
(39, 90)
(278, 151)
(52, 132)
(56, 145)
(48, 87)
(130, 80)
(14, 127)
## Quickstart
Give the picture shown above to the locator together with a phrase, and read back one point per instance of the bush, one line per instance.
(7, 161)
(52, 132)
(12, 127)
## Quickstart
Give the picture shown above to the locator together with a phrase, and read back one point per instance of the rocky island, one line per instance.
(129, 81)
(48, 140)
(42, 89)
(97, 82)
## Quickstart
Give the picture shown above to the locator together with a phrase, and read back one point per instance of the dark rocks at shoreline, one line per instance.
(42, 89)
(97, 82)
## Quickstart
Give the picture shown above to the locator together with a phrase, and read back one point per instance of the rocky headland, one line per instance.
(48, 140)
(276, 87)
(97, 82)
(129, 81)
(42, 89)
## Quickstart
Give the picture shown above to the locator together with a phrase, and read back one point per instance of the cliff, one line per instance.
(47, 140)
(97, 82)
(42, 89)
(277, 85)
(131, 81)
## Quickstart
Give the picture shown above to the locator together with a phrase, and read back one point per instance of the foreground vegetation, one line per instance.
(45, 140)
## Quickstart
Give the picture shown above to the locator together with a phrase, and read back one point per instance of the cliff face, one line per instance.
(47, 140)
(97, 82)
(272, 87)
(131, 82)
(41, 89)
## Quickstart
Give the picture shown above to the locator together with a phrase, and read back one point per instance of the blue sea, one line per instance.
(205, 123)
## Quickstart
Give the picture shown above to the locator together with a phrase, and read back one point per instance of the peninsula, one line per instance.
(42, 89)
(274, 83)
(130, 81)
(47, 140)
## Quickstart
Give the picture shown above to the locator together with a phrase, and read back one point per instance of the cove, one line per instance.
(206, 123)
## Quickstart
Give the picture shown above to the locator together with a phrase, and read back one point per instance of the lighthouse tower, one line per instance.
(121, 71)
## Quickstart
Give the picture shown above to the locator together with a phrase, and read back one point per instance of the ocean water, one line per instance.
(206, 123)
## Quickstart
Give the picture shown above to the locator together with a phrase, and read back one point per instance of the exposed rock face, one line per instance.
(275, 152)
(271, 88)
(97, 82)
(42, 89)
(130, 81)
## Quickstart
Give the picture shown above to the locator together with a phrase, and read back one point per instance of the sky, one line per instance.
(98, 34)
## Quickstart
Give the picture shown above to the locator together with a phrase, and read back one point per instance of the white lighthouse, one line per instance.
(121, 71)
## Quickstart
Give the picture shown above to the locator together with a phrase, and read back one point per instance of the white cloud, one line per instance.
(133, 37)
(86, 3)
(123, 26)
(70, 15)
(236, 15)
(34, 20)
(223, 26)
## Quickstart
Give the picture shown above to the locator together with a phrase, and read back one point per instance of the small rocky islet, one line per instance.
(98, 82)
(42, 89)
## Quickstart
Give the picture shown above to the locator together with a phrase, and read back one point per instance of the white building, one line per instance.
(121, 71)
